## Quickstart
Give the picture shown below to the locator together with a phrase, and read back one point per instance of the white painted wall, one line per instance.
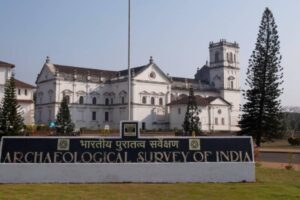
(2, 75)
(229, 73)
(23, 95)
(145, 75)
(217, 109)
(5, 73)
(177, 116)
(46, 104)
(217, 114)
(233, 97)
(27, 110)
(128, 172)
(1, 92)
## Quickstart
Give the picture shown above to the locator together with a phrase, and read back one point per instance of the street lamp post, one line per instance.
(129, 72)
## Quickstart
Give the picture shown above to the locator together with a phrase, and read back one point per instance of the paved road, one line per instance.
(279, 157)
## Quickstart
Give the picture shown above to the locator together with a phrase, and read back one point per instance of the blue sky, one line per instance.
(176, 33)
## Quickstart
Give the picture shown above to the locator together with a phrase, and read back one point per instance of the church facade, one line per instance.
(99, 97)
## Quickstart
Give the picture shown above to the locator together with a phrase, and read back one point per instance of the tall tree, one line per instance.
(11, 120)
(191, 120)
(261, 116)
(64, 125)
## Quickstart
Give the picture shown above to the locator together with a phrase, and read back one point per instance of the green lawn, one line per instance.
(271, 184)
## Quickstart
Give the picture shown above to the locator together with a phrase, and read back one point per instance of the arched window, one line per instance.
(216, 121)
(106, 101)
(67, 97)
(217, 54)
(40, 116)
(49, 114)
(231, 57)
(223, 121)
(160, 101)
(81, 100)
(144, 100)
(227, 57)
(152, 101)
(94, 115)
(122, 96)
(40, 97)
(50, 94)
(94, 100)
(106, 116)
(179, 111)
(230, 82)
(234, 58)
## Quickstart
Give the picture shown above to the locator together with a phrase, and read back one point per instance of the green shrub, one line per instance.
(82, 129)
(30, 128)
(294, 141)
(179, 133)
(42, 127)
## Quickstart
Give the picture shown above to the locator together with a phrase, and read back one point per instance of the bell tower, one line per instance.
(225, 75)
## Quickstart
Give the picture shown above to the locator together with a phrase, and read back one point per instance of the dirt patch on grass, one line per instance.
(279, 165)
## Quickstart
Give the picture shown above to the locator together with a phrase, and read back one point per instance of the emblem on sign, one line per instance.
(194, 144)
(63, 144)
(130, 129)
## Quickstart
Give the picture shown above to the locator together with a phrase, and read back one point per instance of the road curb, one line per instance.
(294, 151)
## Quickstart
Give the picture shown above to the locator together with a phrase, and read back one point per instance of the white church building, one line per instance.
(158, 101)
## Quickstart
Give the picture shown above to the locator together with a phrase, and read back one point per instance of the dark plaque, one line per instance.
(128, 148)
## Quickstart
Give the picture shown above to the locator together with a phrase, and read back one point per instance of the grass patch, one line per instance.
(270, 184)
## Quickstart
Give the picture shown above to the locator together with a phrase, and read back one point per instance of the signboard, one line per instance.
(129, 148)
(92, 150)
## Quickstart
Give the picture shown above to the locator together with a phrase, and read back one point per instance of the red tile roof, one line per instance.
(85, 71)
(24, 101)
(95, 72)
(201, 101)
(182, 79)
(5, 64)
(21, 84)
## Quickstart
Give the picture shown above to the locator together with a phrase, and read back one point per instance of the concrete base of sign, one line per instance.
(127, 172)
